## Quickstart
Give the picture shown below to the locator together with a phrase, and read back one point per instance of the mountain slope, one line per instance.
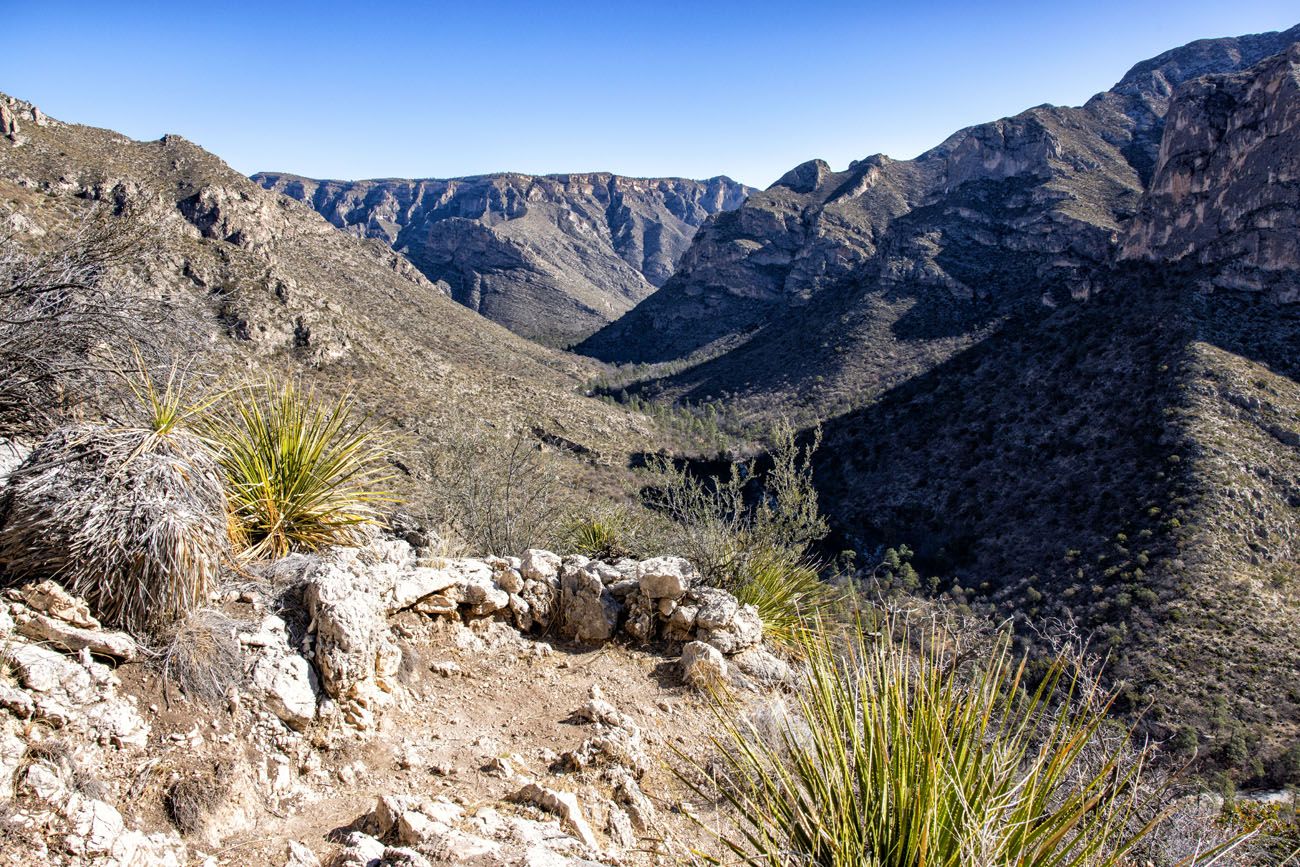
(830, 287)
(1056, 357)
(259, 282)
(550, 257)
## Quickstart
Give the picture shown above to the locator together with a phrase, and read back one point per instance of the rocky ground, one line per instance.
(367, 706)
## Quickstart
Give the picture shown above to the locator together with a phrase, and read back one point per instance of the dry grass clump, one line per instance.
(131, 520)
(200, 655)
(190, 800)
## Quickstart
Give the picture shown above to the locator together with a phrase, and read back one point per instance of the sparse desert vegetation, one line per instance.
(941, 511)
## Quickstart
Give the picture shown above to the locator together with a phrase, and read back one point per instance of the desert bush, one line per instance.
(63, 322)
(899, 754)
(301, 472)
(789, 594)
(751, 534)
(130, 519)
(602, 535)
(495, 490)
(200, 655)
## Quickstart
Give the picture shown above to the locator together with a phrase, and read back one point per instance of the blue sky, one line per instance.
(695, 89)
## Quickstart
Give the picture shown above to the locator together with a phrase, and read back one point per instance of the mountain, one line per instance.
(1055, 357)
(259, 284)
(828, 288)
(552, 257)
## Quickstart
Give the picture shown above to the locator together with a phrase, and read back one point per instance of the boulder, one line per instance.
(563, 804)
(415, 585)
(287, 686)
(64, 636)
(763, 667)
(539, 565)
(726, 624)
(299, 855)
(665, 577)
(589, 612)
(355, 651)
(703, 665)
(49, 598)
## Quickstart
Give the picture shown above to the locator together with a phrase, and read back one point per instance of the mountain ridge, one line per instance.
(1054, 356)
(552, 257)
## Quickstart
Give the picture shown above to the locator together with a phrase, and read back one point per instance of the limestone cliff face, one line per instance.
(1226, 191)
(550, 257)
(841, 282)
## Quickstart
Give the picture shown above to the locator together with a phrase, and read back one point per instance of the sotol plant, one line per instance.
(300, 473)
(899, 756)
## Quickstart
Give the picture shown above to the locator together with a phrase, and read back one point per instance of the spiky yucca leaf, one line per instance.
(901, 758)
(300, 473)
(788, 592)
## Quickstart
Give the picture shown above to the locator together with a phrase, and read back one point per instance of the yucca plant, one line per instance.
(899, 757)
(166, 405)
(788, 592)
(301, 473)
(601, 536)
(131, 520)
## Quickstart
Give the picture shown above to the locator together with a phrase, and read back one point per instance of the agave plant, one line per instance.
(897, 755)
(300, 473)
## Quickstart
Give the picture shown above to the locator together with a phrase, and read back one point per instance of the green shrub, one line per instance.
(300, 473)
(600, 537)
(896, 755)
(495, 491)
(751, 539)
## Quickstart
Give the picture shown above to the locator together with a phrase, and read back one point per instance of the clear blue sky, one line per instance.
(749, 89)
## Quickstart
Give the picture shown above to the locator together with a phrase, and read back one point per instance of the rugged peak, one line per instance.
(1217, 198)
(552, 257)
(805, 177)
(1147, 88)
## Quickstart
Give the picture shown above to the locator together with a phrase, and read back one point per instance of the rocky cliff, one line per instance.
(1225, 198)
(552, 257)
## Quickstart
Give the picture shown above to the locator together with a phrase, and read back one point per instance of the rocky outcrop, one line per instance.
(14, 113)
(551, 257)
(1226, 191)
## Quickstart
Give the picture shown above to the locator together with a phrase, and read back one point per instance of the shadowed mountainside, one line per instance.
(1055, 356)
(830, 287)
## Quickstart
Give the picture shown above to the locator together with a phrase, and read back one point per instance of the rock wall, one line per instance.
(1226, 191)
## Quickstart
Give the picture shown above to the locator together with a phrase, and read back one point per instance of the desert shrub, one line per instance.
(200, 655)
(301, 472)
(789, 594)
(603, 535)
(899, 754)
(130, 519)
(63, 322)
(751, 534)
(495, 491)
